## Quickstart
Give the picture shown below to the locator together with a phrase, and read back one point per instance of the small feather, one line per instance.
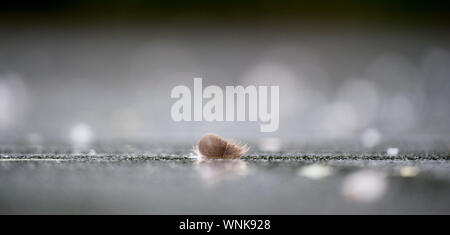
(214, 146)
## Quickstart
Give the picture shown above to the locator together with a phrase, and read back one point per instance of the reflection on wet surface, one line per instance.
(258, 183)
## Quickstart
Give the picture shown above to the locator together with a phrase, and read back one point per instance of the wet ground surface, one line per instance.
(177, 182)
(171, 179)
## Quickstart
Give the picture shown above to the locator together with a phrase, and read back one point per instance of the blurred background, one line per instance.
(85, 123)
(98, 71)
